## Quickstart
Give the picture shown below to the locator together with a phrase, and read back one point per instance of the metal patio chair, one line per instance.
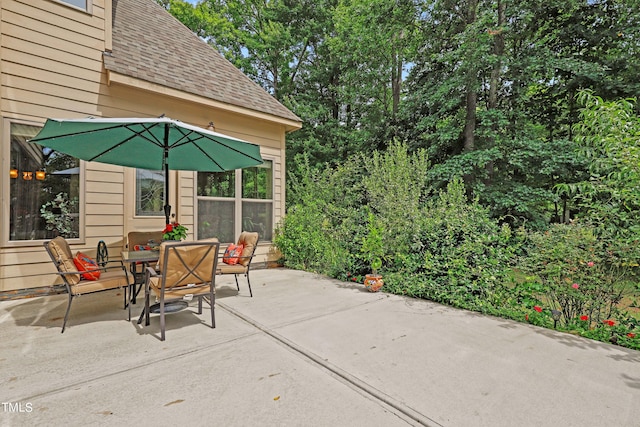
(110, 277)
(187, 270)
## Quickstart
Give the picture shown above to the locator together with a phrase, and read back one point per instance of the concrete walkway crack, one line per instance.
(398, 407)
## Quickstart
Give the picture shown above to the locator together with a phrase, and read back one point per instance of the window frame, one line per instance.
(160, 214)
(238, 200)
(88, 9)
(5, 150)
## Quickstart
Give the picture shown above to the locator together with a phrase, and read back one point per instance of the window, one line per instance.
(82, 4)
(149, 193)
(257, 200)
(44, 189)
(235, 201)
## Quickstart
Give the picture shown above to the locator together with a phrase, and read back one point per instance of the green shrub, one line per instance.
(579, 273)
(458, 254)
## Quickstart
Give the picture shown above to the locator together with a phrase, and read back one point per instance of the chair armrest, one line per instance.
(151, 272)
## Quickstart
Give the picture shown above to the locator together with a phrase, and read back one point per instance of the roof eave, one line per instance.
(113, 77)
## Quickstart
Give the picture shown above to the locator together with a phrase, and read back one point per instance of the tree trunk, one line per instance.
(472, 95)
(494, 84)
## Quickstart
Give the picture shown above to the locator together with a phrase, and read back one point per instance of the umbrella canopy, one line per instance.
(148, 143)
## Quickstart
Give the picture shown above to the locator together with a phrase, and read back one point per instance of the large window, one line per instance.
(44, 189)
(149, 193)
(235, 201)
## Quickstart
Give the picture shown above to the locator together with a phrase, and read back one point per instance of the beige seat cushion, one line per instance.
(62, 252)
(112, 279)
(248, 240)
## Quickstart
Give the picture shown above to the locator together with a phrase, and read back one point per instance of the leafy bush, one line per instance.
(449, 249)
(578, 273)
(323, 229)
(458, 255)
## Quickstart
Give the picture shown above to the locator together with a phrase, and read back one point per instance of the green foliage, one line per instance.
(395, 188)
(608, 136)
(461, 255)
(59, 215)
(372, 243)
(578, 273)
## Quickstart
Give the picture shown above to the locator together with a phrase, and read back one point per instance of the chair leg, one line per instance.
(162, 319)
(237, 285)
(200, 305)
(146, 307)
(66, 315)
(212, 303)
(249, 283)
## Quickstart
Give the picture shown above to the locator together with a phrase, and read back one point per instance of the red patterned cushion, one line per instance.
(232, 253)
(85, 263)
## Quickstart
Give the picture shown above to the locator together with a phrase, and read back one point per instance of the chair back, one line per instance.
(188, 263)
(142, 238)
(249, 241)
(60, 253)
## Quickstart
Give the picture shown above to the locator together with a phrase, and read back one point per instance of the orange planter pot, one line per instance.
(373, 282)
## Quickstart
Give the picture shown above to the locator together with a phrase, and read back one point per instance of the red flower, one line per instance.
(584, 318)
(609, 322)
(538, 308)
(168, 228)
(526, 316)
(631, 335)
(590, 263)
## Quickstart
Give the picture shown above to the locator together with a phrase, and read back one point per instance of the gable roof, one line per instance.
(151, 45)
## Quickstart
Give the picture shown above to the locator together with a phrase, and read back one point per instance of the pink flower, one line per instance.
(575, 286)
(538, 308)
(590, 263)
(584, 318)
(609, 322)
(631, 335)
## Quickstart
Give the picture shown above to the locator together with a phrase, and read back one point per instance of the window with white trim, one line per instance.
(236, 201)
(44, 189)
(149, 192)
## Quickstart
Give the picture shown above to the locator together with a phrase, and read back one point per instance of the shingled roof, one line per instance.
(151, 45)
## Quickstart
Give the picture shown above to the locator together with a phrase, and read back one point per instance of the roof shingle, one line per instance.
(151, 45)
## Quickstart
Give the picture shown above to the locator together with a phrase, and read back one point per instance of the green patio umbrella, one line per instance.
(148, 143)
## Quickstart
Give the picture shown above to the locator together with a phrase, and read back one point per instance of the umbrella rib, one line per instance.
(213, 139)
(152, 140)
(77, 133)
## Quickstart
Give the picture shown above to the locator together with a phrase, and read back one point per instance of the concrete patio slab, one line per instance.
(305, 350)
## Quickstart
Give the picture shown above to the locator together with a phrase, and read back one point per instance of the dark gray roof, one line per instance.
(151, 45)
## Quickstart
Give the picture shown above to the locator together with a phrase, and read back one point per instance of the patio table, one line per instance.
(144, 257)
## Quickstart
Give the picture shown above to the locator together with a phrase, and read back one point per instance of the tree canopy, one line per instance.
(493, 91)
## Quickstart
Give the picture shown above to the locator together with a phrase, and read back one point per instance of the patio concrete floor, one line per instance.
(304, 351)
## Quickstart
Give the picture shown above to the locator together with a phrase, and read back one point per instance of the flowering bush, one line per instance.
(578, 272)
(174, 231)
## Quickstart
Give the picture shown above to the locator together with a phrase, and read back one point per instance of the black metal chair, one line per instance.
(187, 271)
(110, 278)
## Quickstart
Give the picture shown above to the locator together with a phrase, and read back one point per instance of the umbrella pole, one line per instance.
(165, 160)
(167, 206)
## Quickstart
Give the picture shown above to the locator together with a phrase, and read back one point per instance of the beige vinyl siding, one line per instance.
(51, 66)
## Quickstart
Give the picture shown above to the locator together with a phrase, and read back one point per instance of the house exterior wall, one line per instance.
(51, 67)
